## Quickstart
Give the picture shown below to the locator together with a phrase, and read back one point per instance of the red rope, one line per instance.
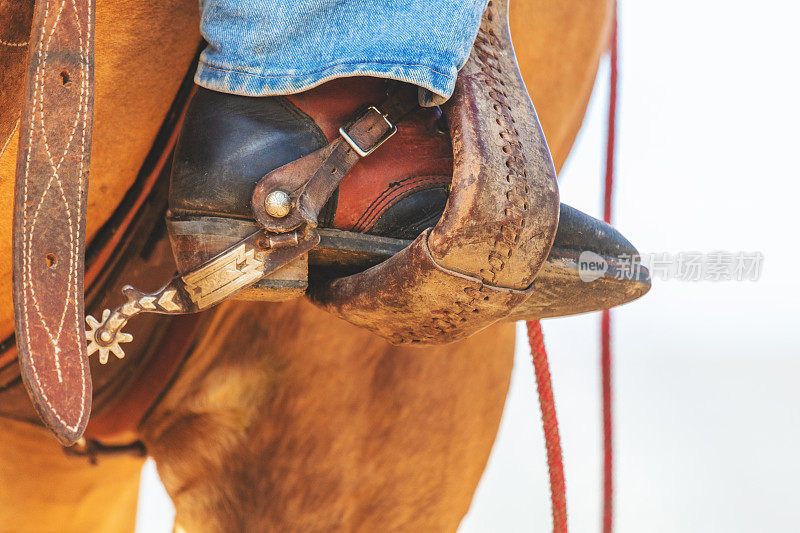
(605, 325)
(541, 367)
(608, 453)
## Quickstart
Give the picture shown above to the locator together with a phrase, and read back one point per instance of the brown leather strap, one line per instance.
(312, 179)
(50, 214)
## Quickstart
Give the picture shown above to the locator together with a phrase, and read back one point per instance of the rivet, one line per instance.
(278, 203)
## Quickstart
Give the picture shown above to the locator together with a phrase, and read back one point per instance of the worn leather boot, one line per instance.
(229, 142)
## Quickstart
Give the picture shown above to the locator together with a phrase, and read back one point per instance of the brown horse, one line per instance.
(282, 417)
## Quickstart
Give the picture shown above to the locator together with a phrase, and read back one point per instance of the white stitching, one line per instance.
(74, 245)
(85, 73)
(40, 83)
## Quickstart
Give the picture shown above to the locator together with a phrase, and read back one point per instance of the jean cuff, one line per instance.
(236, 81)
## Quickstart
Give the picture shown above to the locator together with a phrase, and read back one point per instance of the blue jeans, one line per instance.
(267, 47)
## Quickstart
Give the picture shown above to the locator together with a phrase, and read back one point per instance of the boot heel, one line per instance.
(195, 240)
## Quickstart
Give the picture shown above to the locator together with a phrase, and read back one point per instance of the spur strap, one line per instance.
(312, 179)
(50, 215)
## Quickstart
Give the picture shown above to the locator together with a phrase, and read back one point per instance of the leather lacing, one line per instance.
(516, 194)
(516, 161)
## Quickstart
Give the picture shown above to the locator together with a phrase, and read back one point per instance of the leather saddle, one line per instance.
(504, 248)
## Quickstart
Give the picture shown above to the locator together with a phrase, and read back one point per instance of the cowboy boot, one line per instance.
(229, 142)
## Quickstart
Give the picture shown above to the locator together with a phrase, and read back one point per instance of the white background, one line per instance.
(707, 375)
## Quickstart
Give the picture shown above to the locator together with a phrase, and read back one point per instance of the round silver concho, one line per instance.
(278, 203)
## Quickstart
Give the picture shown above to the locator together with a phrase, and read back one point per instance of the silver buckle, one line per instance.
(354, 145)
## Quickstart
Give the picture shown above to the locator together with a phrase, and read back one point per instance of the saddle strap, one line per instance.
(50, 215)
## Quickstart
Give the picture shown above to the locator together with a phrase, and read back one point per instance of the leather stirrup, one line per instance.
(480, 260)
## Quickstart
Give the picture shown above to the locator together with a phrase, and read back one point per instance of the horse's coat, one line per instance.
(284, 417)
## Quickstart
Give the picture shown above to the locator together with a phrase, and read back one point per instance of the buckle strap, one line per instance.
(303, 186)
(391, 129)
(382, 122)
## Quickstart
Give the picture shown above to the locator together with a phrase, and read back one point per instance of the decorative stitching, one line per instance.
(396, 191)
(381, 210)
(72, 289)
(55, 177)
(311, 73)
(86, 49)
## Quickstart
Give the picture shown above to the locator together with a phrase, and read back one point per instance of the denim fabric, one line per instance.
(267, 47)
